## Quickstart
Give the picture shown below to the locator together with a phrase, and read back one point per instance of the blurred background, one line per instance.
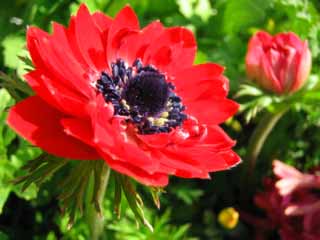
(189, 208)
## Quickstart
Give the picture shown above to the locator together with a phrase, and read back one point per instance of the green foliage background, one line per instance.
(189, 207)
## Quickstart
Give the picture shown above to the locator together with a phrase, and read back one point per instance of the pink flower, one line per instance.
(279, 63)
(291, 204)
(291, 179)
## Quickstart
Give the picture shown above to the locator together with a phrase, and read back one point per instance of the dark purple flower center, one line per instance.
(143, 95)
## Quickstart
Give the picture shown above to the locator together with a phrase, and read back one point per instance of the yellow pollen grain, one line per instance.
(124, 104)
(160, 121)
(164, 115)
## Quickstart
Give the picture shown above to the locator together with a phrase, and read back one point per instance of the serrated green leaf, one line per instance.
(134, 201)
(155, 192)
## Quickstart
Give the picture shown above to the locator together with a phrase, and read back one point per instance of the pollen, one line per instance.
(164, 115)
(160, 122)
(124, 104)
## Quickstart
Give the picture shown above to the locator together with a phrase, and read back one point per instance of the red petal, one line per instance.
(304, 67)
(104, 134)
(78, 128)
(203, 159)
(173, 50)
(32, 45)
(61, 37)
(40, 124)
(204, 80)
(265, 38)
(126, 21)
(155, 179)
(161, 140)
(56, 94)
(212, 111)
(231, 158)
(179, 167)
(134, 45)
(89, 39)
(56, 62)
(121, 47)
(255, 51)
(189, 156)
(113, 140)
(215, 162)
(267, 77)
(103, 23)
(71, 35)
(289, 38)
(218, 139)
(112, 137)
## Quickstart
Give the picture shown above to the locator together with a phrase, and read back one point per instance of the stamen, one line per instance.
(143, 95)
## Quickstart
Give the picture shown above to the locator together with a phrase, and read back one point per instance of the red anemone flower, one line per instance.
(104, 88)
(279, 63)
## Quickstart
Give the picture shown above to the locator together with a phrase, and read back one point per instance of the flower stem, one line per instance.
(258, 138)
(94, 215)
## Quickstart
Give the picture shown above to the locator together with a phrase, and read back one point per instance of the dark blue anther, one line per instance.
(142, 95)
(138, 64)
(171, 86)
(115, 70)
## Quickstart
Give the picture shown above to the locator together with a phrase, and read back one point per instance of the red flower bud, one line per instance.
(279, 63)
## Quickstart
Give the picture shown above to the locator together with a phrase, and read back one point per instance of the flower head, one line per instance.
(290, 179)
(279, 63)
(292, 203)
(228, 217)
(104, 88)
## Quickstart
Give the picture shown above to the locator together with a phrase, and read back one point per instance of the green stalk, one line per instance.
(94, 215)
(258, 138)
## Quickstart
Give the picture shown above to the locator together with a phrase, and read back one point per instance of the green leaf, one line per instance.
(314, 39)
(155, 193)
(10, 163)
(12, 45)
(201, 57)
(200, 8)
(186, 194)
(204, 10)
(117, 195)
(242, 14)
(3, 236)
(18, 89)
(134, 201)
(248, 90)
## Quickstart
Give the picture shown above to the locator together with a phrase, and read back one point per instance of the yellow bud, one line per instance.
(228, 218)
